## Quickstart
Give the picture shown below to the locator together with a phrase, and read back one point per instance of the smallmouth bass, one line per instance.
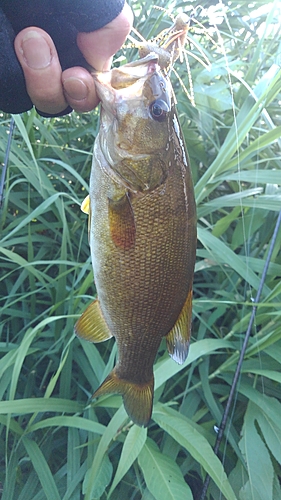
(142, 231)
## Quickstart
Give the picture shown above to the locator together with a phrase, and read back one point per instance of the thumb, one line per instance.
(99, 46)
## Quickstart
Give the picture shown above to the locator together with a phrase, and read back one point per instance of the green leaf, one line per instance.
(269, 406)
(12, 424)
(233, 138)
(41, 209)
(259, 465)
(111, 431)
(242, 200)
(223, 254)
(238, 477)
(42, 469)
(73, 459)
(258, 145)
(276, 488)
(162, 475)
(102, 479)
(245, 119)
(34, 405)
(197, 445)
(64, 421)
(131, 448)
(271, 432)
(166, 368)
(271, 374)
(257, 176)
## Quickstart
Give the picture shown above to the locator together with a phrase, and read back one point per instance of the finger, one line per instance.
(39, 60)
(99, 46)
(79, 89)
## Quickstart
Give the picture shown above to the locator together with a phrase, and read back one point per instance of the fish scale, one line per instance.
(142, 232)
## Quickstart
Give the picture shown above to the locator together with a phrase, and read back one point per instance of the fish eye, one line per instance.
(158, 110)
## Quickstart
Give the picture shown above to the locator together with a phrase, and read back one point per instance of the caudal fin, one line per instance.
(137, 398)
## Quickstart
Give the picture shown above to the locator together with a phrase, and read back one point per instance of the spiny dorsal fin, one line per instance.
(178, 338)
(91, 325)
(137, 398)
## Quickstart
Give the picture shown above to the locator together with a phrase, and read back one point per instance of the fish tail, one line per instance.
(137, 398)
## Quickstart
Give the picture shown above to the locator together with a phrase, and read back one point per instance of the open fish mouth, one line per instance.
(125, 76)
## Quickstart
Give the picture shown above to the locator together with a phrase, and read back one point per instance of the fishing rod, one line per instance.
(223, 423)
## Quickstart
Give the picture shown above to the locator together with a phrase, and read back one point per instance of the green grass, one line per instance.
(54, 444)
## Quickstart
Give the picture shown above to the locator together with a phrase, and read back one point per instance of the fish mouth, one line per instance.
(128, 94)
(125, 76)
(128, 79)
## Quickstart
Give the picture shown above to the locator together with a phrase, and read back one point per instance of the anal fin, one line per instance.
(137, 398)
(178, 338)
(91, 325)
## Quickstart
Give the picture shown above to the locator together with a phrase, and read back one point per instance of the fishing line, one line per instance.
(7, 154)
(243, 350)
(233, 393)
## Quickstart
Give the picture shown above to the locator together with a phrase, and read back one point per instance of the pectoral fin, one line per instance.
(122, 222)
(137, 398)
(85, 206)
(91, 325)
(178, 338)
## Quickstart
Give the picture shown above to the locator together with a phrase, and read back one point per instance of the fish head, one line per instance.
(136, 104)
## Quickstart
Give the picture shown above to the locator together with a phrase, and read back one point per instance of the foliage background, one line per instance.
(53, 443)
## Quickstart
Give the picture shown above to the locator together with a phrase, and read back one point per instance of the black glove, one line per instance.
(62, 20)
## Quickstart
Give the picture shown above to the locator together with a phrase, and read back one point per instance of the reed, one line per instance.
(54, 444)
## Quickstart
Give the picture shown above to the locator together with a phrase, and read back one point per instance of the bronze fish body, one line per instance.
(142, 231)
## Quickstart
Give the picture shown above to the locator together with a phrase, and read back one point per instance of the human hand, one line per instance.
(50, 89)
(55, 44)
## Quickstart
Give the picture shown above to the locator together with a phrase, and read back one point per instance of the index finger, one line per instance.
(99, 46)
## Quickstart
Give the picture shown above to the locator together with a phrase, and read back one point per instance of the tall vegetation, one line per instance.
(57, 444)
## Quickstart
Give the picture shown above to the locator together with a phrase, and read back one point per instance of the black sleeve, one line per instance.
(62, 19)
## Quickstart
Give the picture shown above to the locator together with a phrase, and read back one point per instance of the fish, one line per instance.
(142, 231)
